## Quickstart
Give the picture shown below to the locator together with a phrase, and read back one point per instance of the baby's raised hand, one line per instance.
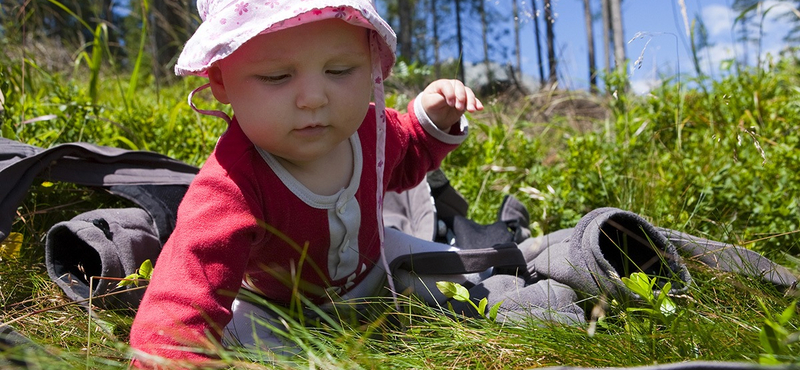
(445, 101)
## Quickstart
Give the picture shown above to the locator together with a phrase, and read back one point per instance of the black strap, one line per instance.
(504, 256)
(92, 165)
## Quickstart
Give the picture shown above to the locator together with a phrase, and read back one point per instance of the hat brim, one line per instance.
(226, 30)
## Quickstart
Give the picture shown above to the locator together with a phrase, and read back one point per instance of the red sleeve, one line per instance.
(200, 269)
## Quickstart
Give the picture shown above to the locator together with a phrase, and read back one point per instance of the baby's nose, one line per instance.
(311, 96)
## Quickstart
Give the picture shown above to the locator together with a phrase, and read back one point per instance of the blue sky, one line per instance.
(664, 47)
(661, 22)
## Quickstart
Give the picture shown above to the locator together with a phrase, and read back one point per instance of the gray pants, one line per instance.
(409, 226)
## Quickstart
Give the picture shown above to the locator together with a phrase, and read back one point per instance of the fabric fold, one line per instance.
(101, 247)
(606, 245)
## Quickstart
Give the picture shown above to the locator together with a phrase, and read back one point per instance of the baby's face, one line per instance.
(298, 92)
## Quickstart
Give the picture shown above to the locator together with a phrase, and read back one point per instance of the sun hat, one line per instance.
(227, 24)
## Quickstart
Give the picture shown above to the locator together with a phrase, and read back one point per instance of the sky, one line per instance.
(663, 46)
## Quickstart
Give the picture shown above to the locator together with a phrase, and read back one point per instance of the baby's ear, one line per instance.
(217, 84)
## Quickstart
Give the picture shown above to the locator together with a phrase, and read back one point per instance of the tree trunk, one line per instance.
(538, 42)
(404, 11)
(606, 36)
(437, 67)
(552, 78)
(587, 14)
(619, 42)
(460, 41)
(485, 39)
(517, 51)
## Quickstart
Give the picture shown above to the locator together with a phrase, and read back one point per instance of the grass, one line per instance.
(723, 167)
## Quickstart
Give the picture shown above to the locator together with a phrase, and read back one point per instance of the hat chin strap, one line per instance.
(215, 113)
(380, 149)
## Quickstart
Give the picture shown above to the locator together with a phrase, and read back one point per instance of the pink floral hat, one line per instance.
(227, 24)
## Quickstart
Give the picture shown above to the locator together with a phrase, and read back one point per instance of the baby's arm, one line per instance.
(445, 101)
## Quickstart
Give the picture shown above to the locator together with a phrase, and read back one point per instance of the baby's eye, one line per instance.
(340, 71)
(274, 79)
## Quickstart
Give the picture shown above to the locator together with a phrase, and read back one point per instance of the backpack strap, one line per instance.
(505, 257)
(134, 175)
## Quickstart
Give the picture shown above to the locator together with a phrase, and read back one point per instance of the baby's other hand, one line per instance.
(445, 101)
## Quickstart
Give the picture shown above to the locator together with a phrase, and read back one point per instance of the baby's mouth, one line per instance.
(312, 130)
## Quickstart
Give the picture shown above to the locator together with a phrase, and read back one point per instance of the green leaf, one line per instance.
(787, 314)
(769, 339)
(100, 36)
(130, 280)
(640, 284)
(667, 306)
(132, 84)
(447, 288)
(663, 303)
(493, 311)
(146, 269)
(453, 290)
(768, 359)
(7, 131)
(482, 306)
(649, 311)
(145, 272)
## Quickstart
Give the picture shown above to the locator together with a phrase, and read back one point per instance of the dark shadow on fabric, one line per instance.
(81, 260)
(628, 249)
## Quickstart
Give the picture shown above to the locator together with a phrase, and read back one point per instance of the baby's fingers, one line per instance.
(464, 98)
(473, 103)
(457, 95)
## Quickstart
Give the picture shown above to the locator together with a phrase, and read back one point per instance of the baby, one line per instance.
(289, 202)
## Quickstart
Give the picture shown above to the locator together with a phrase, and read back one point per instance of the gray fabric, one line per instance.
(514, 214)
(10, 338)
(105, 243)
(83, 164)
(544, 300)
(608, 244)
(448, 201)
(570, 265)
(411, 212)
(16, 350)
(731, 258)
(511, 226)
(563, 267)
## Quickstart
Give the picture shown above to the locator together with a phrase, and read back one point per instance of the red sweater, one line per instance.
(239, 224)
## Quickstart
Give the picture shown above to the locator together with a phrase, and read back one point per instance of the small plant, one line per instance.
(659, 306)
(775, 337)
(459, 293)
(657, 316)
(144, 272)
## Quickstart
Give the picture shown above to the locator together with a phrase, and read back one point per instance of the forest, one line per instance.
(431, 33)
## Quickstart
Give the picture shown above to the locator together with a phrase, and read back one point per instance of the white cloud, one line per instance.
(718, 19)
(645, 85)
(714, 55)
(776, 20)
